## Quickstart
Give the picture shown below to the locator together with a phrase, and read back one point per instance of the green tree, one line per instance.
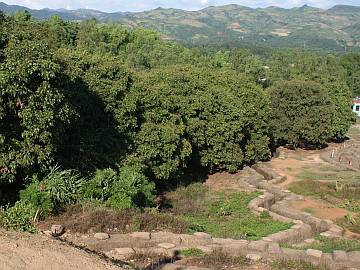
(301, 113)
(217, 118)
(34, 112)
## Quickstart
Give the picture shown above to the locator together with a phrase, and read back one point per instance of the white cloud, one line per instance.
(137, 5)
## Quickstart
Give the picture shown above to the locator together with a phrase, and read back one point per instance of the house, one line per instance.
(356, 106)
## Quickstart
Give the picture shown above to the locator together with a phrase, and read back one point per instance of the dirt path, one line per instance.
(296, 161)
(20, 251)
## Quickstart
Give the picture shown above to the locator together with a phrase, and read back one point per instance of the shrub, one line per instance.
(64, 187)
(121, 190)
(18, 217)
(100, 185)
(135, 185)
(39, 199)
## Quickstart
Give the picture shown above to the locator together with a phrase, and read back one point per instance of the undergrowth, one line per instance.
(328, 245)
(222, 214)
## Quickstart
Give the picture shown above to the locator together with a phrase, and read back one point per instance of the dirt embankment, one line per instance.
(20, 251)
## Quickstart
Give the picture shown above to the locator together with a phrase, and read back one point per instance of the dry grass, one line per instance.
(149, 260)
(219, 260)
(106, 220)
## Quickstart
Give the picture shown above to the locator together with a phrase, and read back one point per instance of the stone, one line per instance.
(192, 240)
(258, 245)
(314, 253)
(310, 241)
(254, 257)
(325, 234)
(354, 256)
(203, 235)
(222, 241)
(122, 253)
(57, 230)
(166, 245)
(340, 256)
(141, 235)
(168, 237)
(336, 230)
(274, 248)
(292, 254)
(205, 249)
(101, 236)
(48, 233)
(267, 239)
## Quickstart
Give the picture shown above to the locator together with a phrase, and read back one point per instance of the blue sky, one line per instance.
(140, 5)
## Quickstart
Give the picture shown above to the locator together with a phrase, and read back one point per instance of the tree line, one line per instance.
(91, 97)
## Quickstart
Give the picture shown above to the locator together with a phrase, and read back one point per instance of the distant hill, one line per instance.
(337, 28)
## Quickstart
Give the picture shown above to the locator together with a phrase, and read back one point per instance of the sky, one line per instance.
(140, 5)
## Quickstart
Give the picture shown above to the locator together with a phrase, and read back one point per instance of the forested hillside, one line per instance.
(335, 29)
(97, 113)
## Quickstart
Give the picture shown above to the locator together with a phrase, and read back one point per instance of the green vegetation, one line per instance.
(301, 113)
(221, 260)
(97, 114)
(295, 265)
(328, 245)
(337, 186)
(351, 222)
(232, 25)
(222, 214)
(331, 184)
(192, 252)
(124, 189)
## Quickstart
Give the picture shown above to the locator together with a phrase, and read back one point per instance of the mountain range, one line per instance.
(336, 29)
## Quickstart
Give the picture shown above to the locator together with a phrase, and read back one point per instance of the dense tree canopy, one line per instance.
(89, 96)
(301, 113)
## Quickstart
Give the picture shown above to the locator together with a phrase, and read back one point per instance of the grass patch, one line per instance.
(328, 245)
(346, 193)
(219, 260)
(309, 210)
(148, 260)
(295, 265)
(329, 174)
(351, 222)
(192, 252)
(354, 133)
(222, 214)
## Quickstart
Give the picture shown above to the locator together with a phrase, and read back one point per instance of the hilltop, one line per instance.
(337, 28)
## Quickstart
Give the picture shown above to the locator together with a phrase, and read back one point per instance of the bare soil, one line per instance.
(20, 251)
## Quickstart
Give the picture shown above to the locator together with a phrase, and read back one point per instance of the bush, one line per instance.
(122, 190)
(38, 198)
(100, 185)
(18, 217)
(64, 187)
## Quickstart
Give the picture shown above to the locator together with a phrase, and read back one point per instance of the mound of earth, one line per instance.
(20, 251)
